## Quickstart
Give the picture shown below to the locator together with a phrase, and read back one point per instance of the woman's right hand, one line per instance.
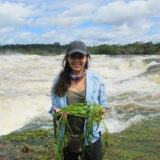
(61, 113)
(56, 110)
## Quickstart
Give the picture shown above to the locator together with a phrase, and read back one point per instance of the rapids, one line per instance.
(132, 85)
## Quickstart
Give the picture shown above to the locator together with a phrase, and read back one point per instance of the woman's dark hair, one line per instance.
(64, 80)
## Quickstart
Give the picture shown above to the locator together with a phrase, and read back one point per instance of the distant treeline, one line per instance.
(57, 48)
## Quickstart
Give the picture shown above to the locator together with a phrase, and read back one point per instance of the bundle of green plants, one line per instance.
(93, 114)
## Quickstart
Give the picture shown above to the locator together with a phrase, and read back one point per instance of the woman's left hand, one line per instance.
(104, 110)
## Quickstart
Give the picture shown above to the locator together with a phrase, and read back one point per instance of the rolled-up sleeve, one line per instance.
(54, 98)
(102, 97)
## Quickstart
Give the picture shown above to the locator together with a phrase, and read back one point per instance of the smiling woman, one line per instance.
(77, 62)
(75, 84)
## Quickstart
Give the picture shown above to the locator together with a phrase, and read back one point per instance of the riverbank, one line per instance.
(140, 141)
(138, 48)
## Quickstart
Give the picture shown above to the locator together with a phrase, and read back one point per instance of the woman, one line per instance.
(73, 85)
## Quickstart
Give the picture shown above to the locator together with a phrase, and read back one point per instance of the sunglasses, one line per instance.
(76, 56)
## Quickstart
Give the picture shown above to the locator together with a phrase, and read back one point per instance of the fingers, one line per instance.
(61, 113)
(104, 110)
(56, 110)
(64, 115)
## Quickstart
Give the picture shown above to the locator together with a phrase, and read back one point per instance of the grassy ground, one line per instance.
(139, 142)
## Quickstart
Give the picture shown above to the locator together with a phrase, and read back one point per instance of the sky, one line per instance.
(93, 21)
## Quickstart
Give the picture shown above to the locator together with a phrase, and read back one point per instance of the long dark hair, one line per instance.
(64, 80)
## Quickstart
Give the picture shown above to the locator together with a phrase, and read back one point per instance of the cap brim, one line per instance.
(77, 51)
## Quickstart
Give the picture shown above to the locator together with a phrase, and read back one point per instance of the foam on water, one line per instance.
(18, 111)
(116, 126)
(132, 85)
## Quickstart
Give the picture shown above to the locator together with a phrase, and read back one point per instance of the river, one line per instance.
(132, 85)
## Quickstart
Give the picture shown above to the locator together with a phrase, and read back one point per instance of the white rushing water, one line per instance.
(132, 84)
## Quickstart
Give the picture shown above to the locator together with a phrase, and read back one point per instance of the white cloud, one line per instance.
(152, 38)
(68, 18)
(61, 36)
(14, 36)
(154, 8)
(6, 30)
(95, 22)
(120, 12)
(89, 35)
(15, 13)
(130, 21)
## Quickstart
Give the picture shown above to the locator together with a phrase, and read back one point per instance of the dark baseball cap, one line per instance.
(77, 47)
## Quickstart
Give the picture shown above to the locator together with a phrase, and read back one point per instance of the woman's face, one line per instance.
(77, 62)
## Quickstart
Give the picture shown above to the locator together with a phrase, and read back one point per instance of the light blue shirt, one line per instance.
(95, 93)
